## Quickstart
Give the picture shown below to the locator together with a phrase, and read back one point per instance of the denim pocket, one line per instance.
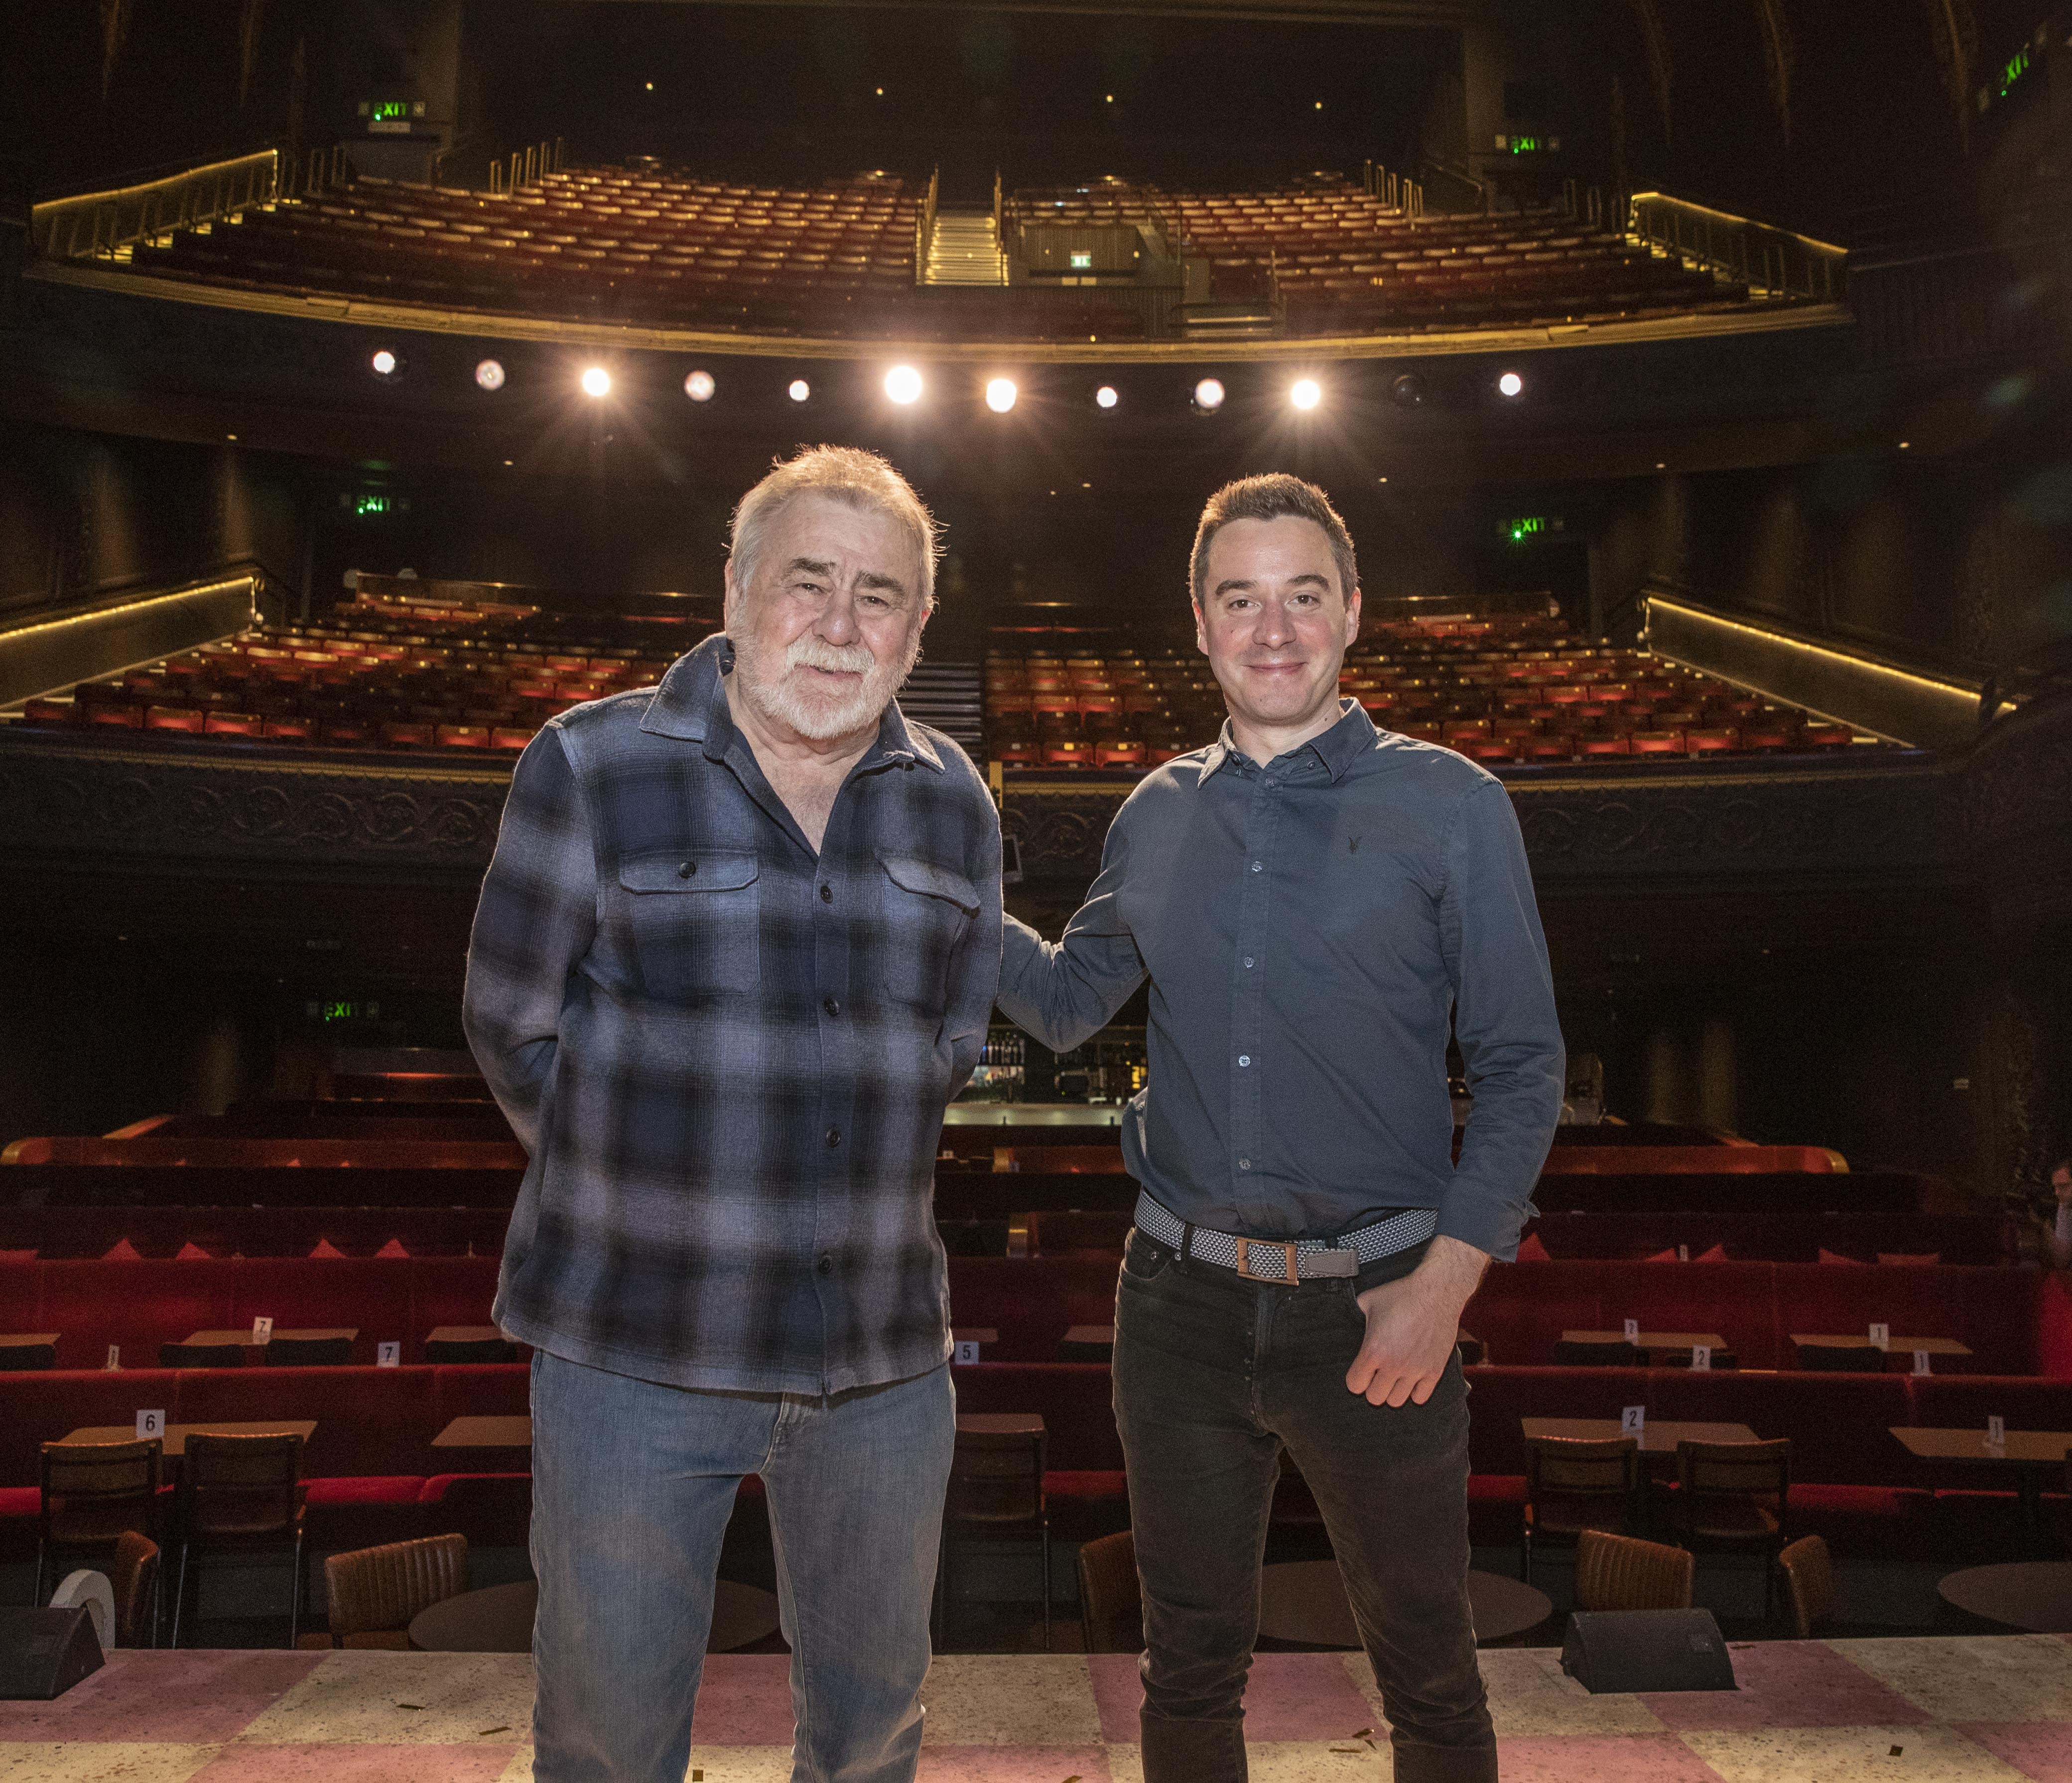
(1143, 1261)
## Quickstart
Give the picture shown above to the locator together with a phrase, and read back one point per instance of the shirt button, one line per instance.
(834, 1137)
(1247, 963)
(832, 1006)
(686, 870)
(825, 1265)
(1255, 867)
(1244, 1058)
(1244, 1164)
(827, 894)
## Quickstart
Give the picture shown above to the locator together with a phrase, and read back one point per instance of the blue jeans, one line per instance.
(1214, 1375)
(633, 1484)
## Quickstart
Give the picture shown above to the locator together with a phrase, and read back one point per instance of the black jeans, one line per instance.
(1213, 1375)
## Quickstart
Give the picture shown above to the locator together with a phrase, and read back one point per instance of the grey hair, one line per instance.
(847, 474)
(1276, 496)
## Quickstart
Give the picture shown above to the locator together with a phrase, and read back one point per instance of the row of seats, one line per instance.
(1852, 1482)
(1519, 690)
(2013, 1321)
(659, 248)
(382, 672)
(1341, 260)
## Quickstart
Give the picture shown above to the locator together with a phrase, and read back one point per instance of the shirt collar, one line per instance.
(691, 704)
(1336, 749)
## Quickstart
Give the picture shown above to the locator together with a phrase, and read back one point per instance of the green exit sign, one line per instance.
(1083, 259)
(1528, 144)
(1526, 528)
(341, 1009)
(373, 504)
(391, 108)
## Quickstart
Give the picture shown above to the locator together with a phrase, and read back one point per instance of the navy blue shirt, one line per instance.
(1309, 928)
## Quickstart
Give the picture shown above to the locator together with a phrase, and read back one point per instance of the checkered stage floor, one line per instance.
(1842, 1711)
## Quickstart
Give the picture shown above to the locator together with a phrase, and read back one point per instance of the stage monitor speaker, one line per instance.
(44, 1653)
(1646, 1650)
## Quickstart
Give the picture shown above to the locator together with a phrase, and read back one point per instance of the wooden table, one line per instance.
(176, 1435)
(350, 1333)
(499, 1619)
(1650, 1339)
(1658, 1436)
(27, 1340)
(2030, 1455)
(1894, 1346)
(1088, 1344)
(467, 1334)
(1304, 1602)
(2035, 1596)
(999, 1423)
(514, 1431)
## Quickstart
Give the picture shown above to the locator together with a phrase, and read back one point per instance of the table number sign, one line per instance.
(1633, 1331)
(262, 1330)
(1996, 1432)
(1881, 1335)
(967, 1350)
(389, 1355)
(1701, 1356)
(1921, 1361)
(1632, 1421)
(150, 1424)
(114, 1356)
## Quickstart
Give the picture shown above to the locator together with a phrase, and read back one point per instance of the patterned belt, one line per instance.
(1287, 1260)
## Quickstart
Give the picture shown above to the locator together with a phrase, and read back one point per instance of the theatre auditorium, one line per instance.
(381, 381)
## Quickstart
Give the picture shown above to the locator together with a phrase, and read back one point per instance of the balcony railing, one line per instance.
(94, 224)
(1771, 262)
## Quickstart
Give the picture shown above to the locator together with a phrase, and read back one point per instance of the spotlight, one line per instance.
(1209, 395)
(1105, 397)
(1000, 395)
(799, 389)
(1304, 393)
(383, 362)
(1510, 384)
(903, 384)
(489, 374)
(699, 386)
(597, 382)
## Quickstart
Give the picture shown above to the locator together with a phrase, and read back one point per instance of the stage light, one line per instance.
(699, 386)
(597, 382)
(1000, 395)
(1209, 395)
(1304, 393)
(1510, 384)
(1105, 397)
(903, 384)
(489, 374)
(799, 389)
(383, 362)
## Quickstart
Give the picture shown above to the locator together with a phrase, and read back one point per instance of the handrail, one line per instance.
(94, 224)
(924, 227)
(1762, 257)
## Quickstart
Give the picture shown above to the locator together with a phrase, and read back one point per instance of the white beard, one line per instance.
(780, 698)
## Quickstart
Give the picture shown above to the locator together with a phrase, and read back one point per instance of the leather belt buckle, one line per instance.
(1285, 1246)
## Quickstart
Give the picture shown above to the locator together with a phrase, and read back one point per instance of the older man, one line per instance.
(736, 951)
(1312, 900)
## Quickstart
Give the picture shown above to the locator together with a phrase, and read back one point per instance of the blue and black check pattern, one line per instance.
(728, 1057)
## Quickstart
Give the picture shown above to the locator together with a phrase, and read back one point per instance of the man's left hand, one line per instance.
(1413, 1324)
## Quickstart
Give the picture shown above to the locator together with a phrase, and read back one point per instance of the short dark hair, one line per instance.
(1274, 496)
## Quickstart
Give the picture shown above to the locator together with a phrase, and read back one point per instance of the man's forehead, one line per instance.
(1278, 549)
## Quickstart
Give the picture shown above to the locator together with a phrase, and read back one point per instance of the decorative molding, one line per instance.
(1585, 828)
(2018, 817)
(200, 803)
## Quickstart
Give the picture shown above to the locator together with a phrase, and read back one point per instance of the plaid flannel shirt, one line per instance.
(727, 1056)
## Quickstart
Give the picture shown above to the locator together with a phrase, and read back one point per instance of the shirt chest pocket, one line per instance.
(696, 919)
(927, 909)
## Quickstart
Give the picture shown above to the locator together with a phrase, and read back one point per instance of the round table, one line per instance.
(2033, 1594)
(499, 1619)
(1303, 1601)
